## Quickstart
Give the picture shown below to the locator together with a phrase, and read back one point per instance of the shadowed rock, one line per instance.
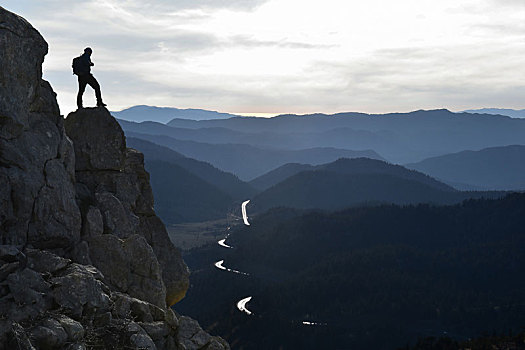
(98, 143)
(37, 196)
(116, 184)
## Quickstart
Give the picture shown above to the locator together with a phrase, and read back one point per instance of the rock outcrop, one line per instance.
(84, 260)
(37, 195)
(126, 240)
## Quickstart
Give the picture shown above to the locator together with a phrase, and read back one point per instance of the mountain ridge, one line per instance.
(493, 168)
(399, 137)
(164, 115)
(361, 181)
(360, 165)
(513, 113)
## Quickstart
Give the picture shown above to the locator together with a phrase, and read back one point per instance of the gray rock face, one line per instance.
(193, 337)
(21, 62)
(68, 304)
(74, 330)
(37, 196)
(103, 150)
(77, 290)
(65, 207)
(130, 266)
(116, 185)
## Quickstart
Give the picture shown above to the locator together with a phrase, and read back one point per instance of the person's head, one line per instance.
(88, 51)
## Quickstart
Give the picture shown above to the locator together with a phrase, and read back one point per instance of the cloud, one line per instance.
(250, 42)
(287, 55)
(516, 4)
(508, 30)
(206, 4)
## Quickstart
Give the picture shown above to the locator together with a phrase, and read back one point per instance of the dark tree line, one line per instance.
(379, 277)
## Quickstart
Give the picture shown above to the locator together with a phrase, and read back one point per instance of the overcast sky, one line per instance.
(287, 56)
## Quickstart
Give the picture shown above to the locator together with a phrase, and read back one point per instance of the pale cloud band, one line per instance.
(288, 55)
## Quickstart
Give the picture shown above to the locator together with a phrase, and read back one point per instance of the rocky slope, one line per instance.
(84, 261)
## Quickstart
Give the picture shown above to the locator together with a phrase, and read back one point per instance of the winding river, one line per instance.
(241, 304)
(220, 266)
(244, 214)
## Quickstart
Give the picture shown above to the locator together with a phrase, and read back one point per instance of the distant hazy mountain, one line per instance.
(226, 182)
(349, 182)
(496, 168)
(501, 111)
(181, 196)
(248, 162)
(165, 114)
(208, 135)
(399, 137)
(344, 138)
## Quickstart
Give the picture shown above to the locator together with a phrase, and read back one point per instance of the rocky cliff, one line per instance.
(84, 260)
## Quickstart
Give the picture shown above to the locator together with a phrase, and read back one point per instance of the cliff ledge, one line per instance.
(84, 261)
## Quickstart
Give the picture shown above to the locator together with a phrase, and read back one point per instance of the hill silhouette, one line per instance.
(345, 166)
(495, 168)
(224, 181)
(350, 182)
(181, 196)
(165, 114)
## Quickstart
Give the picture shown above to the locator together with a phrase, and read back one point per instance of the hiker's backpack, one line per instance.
(77, 65)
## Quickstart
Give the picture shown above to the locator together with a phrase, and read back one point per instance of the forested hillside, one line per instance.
(376, 277)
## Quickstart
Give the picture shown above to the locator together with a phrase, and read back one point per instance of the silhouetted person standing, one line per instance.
(82, 68)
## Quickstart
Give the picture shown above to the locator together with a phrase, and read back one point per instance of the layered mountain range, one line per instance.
(208, 193)
(397, 137)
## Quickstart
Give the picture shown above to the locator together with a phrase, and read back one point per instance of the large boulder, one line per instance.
(98, 139)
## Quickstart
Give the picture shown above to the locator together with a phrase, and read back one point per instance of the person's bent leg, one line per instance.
(96, 86)
(81, 88)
